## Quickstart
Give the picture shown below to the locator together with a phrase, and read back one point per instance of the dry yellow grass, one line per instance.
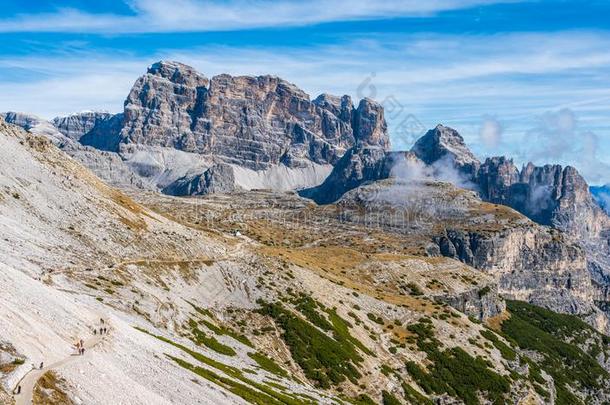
(332, 262)
(49, 391)
(495, 322)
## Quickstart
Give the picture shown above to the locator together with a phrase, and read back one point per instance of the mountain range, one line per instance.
(310, 263)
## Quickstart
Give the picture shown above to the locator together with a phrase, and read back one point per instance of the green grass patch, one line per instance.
(341, 332)
(375, 318)
(267, 393)
(388, 399)
(268, 364)
(219, 330)
(362, 399)
(506, 351)
(555, 337)
(200, 338)
(454, 371)
(413, 396)
(324, 360)
(202, 311)
(415, 290)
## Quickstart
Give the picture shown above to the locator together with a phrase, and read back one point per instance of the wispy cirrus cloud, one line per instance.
(153, 16)
(452, 77)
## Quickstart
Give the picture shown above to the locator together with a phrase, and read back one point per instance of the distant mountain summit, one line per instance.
(253, 122)
(264, 132)
(446, 144)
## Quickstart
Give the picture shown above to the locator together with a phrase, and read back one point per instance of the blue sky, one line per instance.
(528, 79)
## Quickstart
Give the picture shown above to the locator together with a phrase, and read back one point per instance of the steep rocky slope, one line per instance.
(395, 258)
(550, 195)
(530, 262)
(567, 269)
(96, 129)
(359, 165)
(305, 304)
(75, 250)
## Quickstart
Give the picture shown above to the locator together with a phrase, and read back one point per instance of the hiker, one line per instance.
(83, 351)
(94, 331)
(18, 389)
(102, 320)
(41, 365)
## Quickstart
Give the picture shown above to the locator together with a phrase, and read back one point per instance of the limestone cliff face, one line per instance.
(177, 123)
(550, 195)
(558, 197)
(531, 263)
(254, 122)
(97, 129)
(482, 302)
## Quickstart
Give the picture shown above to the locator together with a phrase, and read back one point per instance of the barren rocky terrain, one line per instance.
(349, 275)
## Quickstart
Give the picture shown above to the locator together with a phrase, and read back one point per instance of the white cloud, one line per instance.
(453, 80)
(490, 133)
(208, 15)
(560, 137)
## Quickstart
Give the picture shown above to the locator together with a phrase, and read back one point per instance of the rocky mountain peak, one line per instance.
(440, 142)
(444, 143)
(255, 122)
(341, 107)
(496, 177)
(370, 127)
(178, 73)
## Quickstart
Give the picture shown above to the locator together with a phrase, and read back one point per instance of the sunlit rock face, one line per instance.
(255, 122)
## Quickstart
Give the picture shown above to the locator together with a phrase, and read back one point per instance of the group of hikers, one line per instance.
(79, 346)
(103, 330)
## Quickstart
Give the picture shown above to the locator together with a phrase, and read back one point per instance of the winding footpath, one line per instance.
(28, 382)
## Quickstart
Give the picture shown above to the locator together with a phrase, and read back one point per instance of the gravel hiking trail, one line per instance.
(28, 382)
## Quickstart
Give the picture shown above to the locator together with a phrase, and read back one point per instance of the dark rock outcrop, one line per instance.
(446, 144)
(359, 165)
(219, 178)
(96, 129)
